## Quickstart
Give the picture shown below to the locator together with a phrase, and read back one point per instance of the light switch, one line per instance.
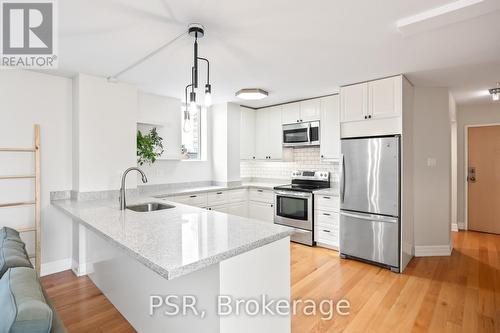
(431, 162)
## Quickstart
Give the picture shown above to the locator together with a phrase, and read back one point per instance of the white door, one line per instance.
(291, 113)
(385, 97)
(247, 134)
(310, 110)
(353, 102)
(274, 140)
(330, 127)
(261, 211)
(262, 134)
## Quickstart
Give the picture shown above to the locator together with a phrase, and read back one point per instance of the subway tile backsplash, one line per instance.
(303, 159)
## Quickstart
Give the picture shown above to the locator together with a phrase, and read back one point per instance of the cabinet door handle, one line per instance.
(370, 116)
(326, 230)
(326, 214)
(327, 198)
(366, 117)
(260, 191)
(218, 193)
(272, 206)
(193, 196)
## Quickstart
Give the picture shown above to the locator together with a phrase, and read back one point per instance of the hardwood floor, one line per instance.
(460, 293)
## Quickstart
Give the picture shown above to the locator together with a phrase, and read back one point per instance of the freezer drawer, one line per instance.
(370, 237)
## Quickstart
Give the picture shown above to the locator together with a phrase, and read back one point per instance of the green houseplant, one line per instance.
(149, 147)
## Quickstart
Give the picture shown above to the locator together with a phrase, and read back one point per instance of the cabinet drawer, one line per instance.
(237, 195)
(198, 200)
(326, 235)
(216, 198)
(326, 218)
(327, 202)
(261, 195)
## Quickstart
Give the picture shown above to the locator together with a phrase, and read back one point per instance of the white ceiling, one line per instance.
(293, 49)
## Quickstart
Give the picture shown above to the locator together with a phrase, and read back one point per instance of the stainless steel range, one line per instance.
(294, 203)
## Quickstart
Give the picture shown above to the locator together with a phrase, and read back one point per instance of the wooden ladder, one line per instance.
(36, 202)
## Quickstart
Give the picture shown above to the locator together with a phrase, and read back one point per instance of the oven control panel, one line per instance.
(311, 175)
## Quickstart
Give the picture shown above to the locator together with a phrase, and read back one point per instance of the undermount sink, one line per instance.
(149, 207)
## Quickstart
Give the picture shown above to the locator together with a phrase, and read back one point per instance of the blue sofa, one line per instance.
(24, 305)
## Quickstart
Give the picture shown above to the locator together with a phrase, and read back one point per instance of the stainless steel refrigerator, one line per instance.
(370, 200)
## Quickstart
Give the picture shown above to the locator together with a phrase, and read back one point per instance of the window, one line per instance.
(192, 139)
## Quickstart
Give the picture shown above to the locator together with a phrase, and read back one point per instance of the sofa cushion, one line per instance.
(12, 254)
(10, 236)
(24, 308)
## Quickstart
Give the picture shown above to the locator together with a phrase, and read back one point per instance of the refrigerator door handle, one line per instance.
(342, 180)
(370, 217)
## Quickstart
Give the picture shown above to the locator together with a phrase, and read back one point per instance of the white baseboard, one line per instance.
(461, 225)
(55, 266)
(79, 269)
(433, 250)
(454, 227)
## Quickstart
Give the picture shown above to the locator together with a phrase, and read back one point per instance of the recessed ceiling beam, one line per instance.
(457, 11)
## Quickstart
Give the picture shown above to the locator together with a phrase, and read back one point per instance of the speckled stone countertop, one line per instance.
(194, 190)
(332, 191)
(173, 242)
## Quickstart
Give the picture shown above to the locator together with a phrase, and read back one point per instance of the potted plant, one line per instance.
(149, 147)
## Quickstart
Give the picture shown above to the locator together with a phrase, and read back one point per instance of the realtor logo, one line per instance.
(28, 30)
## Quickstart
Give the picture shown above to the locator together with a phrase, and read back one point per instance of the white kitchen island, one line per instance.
(137, 259)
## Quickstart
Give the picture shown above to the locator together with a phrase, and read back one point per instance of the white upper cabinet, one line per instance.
(261, 134)
(291, 113)
(385, 98)
(330, 127)
(354, 102)
(297, 112)
(372, 100)
(275, 132)
(164, 113)
(247, 134)
(268, 131)
(310, 110)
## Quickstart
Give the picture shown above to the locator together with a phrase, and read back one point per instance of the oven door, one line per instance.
(294, 209)
(296, 135)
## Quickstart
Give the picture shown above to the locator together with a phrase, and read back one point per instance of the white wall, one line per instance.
(432, 141)
(225, 120)
(27, 98)
(478, 114)
(105, 123)
(453, 142)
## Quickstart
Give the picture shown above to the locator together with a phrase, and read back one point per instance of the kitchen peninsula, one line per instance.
(132, 256)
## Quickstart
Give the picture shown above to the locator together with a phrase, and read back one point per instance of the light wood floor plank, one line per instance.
(460, 293)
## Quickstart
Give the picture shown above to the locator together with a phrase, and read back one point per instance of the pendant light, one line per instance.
(197, 31)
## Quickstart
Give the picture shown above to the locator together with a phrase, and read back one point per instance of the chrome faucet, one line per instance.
(123, 203)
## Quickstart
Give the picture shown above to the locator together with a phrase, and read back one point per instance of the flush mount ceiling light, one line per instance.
(252, 94)
(495, 93)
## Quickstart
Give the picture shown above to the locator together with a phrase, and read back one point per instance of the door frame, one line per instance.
(466, 170)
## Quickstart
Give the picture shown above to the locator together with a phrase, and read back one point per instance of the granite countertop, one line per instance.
(193, 190)
(177, 241)
(332, 191)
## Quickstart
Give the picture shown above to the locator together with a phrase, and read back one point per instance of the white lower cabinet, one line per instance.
(237, 208)
(263, 211)
(234, 202)
(326, 221)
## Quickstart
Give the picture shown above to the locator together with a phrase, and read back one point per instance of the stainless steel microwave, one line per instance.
(301, 134)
